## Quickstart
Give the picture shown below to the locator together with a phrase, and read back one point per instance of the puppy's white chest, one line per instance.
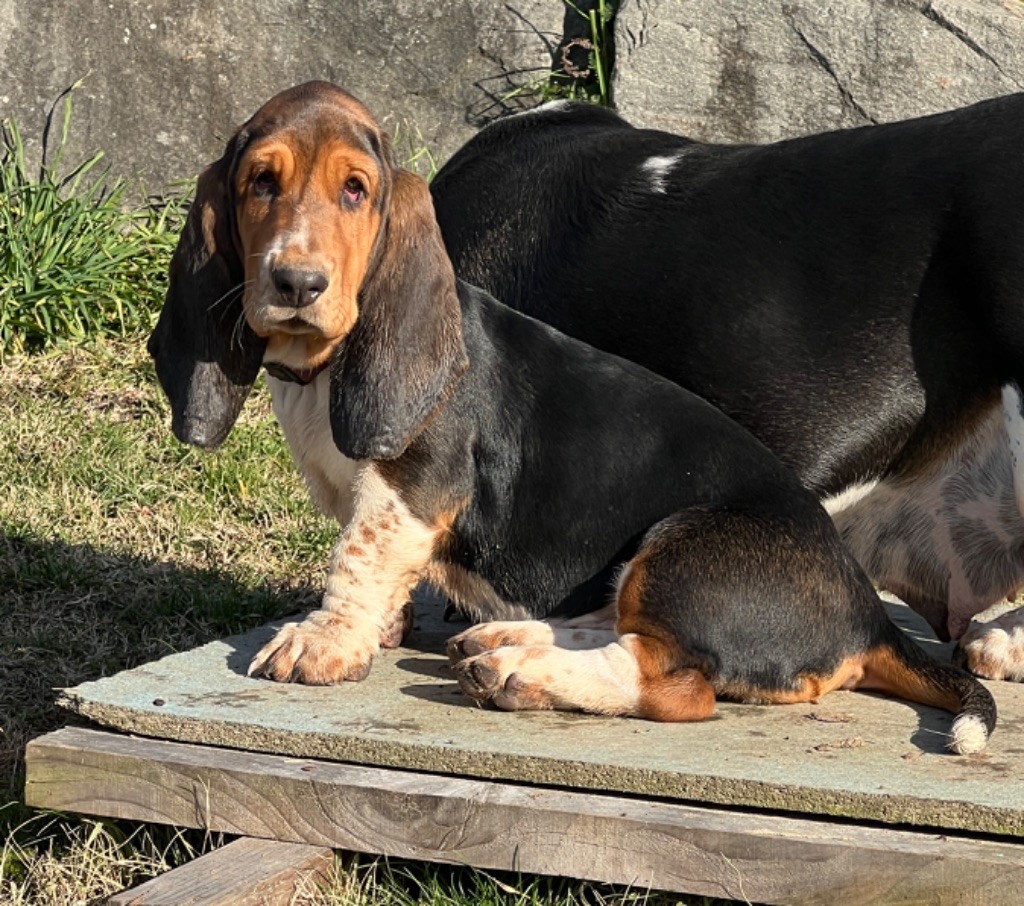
(303, 412)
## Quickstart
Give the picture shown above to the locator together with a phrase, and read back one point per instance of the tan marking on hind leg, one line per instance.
(374, 566)
(669, 687)
(668, 692)
(807, 687)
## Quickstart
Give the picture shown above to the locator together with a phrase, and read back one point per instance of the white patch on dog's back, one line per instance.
(548, 107)
(657, 168)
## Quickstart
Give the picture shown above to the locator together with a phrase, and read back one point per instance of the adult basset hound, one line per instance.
(520, 471)
(854, 299)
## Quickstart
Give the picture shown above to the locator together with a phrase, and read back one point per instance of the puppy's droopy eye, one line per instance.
(354, 191)
(264, 184)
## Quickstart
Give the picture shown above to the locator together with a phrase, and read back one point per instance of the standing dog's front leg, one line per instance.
(377, 561)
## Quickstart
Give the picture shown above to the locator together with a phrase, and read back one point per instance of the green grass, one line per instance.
(118, 544)
(590, 83)
(75, 260)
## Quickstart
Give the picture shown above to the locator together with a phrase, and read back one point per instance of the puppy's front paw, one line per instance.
(994, 650)
(322, 650)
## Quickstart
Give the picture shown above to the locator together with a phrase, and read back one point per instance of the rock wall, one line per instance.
(166, 81)
(758, 70)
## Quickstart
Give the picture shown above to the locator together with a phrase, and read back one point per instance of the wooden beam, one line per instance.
(246, 872)
(714, 852)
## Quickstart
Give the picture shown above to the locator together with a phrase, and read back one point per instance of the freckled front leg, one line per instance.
(374, 566)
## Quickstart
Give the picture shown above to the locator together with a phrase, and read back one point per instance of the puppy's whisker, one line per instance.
(238, 331)
(230, 295)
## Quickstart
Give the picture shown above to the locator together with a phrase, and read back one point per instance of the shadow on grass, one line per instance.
(73, 613)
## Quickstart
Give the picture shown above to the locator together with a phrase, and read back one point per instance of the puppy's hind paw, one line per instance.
(498, 634)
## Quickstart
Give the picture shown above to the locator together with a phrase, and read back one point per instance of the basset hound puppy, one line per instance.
(521, 472)
(854, 299)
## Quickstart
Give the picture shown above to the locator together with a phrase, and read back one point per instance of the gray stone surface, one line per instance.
(851, 755)
(166, 81)
(761, 70)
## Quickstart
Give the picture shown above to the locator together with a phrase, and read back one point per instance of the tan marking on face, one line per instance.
(310, 223)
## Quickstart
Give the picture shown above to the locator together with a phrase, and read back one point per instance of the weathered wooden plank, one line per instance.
(747, 856)
(246, 872)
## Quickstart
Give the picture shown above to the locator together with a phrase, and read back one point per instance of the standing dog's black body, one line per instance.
(844, 296)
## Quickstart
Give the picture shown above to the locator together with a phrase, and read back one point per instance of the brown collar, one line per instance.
(283, 373)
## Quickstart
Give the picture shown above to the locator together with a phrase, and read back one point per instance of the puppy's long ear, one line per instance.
(402, 357)
(206, 356)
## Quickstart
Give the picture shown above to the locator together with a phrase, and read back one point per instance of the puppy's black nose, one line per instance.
(298, 287)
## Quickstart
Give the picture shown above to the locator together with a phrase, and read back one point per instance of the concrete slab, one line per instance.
(852, 755)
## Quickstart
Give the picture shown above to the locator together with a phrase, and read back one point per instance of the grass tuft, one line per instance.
(118, 544)
(413, 150)
(365, 881)
(584, 70)
(76, 261)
